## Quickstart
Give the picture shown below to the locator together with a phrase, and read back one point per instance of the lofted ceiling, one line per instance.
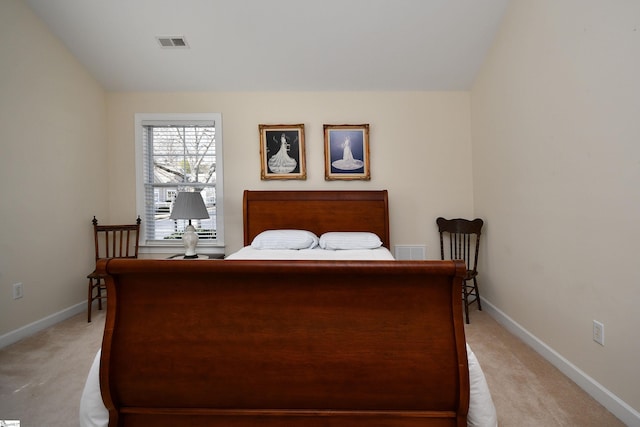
(277, 45)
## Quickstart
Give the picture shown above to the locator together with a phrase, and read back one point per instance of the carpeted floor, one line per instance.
(42, 377)
(526, 389)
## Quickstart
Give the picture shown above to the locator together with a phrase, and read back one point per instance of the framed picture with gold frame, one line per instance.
(346, 152)
(282, 152)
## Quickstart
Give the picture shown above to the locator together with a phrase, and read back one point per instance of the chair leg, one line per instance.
(465, 298)
(99, 287)
(475, 287)
(90, 300)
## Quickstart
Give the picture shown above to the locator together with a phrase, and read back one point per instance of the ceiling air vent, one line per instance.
(172, 41)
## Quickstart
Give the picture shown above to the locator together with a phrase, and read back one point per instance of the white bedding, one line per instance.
(378, 254)
(482, 412)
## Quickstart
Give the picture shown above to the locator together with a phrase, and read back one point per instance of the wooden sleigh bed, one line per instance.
(287, 342)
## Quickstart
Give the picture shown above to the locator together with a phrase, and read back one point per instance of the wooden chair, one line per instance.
(463, 237)
(111, 241)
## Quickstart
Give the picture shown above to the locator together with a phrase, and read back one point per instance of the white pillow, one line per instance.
(335, 240)
(285, 239)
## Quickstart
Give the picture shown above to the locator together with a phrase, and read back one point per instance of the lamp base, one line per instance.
(190, 256)
(190, 241)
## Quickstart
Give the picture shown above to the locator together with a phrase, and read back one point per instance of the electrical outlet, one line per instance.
(598, 332)
(17, 291)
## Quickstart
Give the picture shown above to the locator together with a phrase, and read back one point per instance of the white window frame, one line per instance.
(215, 246)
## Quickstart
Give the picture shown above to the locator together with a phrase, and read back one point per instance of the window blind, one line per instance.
(178, 156)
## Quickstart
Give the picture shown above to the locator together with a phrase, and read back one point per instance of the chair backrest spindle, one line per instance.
(116, 241)
(464, 240)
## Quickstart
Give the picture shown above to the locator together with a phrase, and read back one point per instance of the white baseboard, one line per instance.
(30, 329)
(613, 403)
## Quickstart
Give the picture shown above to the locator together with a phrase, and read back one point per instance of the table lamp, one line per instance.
(189, 205)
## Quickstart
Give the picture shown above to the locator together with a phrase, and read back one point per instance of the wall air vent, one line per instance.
(410, 252)
(172, 42)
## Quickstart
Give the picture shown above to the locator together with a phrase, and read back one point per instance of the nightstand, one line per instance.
(200, 256)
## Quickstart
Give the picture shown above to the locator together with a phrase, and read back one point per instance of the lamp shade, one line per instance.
(189, 205)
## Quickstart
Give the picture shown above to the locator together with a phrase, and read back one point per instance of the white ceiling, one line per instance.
(274, 45)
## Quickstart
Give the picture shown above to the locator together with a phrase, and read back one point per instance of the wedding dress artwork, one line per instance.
(347, 162)
(281, 162)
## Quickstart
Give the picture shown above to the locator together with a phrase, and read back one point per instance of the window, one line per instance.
(178, 152)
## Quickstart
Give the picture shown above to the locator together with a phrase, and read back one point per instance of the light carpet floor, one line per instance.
(42, 377)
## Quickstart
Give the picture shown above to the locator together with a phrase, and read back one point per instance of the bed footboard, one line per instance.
(284, 343)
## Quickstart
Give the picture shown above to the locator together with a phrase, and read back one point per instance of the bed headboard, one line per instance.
(316, 211)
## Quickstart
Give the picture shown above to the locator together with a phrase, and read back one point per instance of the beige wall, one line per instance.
(53, 170)
(416, 142)
(556, 156)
